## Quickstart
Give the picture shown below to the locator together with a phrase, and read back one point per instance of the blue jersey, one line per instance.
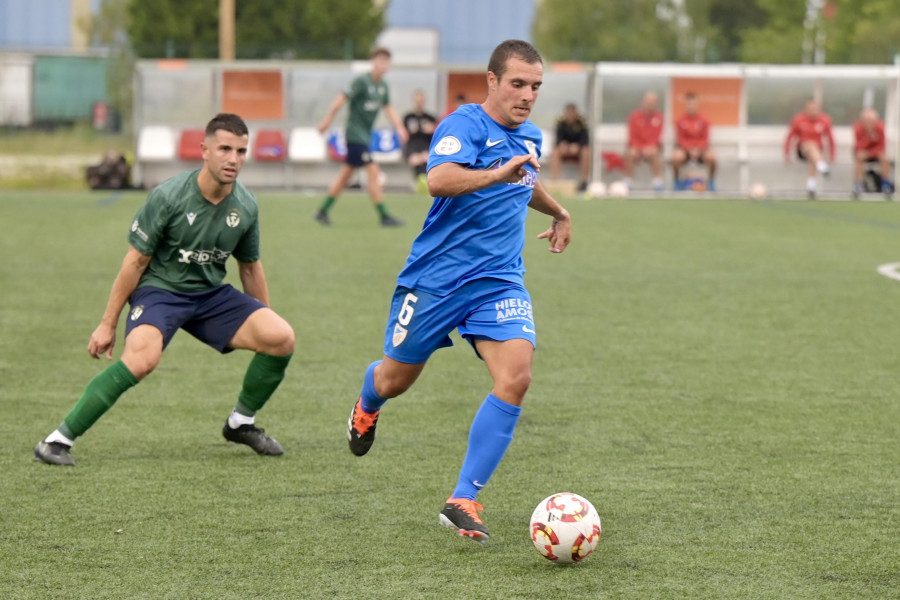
(481, 234)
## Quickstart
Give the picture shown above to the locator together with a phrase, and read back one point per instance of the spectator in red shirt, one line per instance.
(692, 141)
(644, 132)
(811, 127)
(869, 146)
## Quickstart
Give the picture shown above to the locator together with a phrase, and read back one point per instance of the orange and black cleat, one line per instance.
(361, 429)
(462, 515)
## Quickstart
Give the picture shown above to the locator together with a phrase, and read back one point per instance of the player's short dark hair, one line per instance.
(690, 96)
(512, 48)
(380, 51)
(227, 122)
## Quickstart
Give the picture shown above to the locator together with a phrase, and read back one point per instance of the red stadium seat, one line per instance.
(270, 145)
(189, 144)
(612, 161)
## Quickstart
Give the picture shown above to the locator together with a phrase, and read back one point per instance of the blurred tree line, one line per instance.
(763, 31)
(303, 29)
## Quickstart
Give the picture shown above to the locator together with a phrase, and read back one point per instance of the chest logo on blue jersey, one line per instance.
(447, 145)
(532, 148)
(233, 219)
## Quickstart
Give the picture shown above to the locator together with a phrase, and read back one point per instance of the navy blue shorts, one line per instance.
(212, 316)
(492, 309)
(358, 155)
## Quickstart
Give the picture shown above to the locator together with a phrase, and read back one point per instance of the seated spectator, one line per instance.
(644, 140)
(692, 144)
(572, 143)
(869, 147)
(811, 127)
(420, 126)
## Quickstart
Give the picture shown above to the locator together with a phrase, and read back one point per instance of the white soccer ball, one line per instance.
(596, 189)
(565, 528)
(758, 190)
(618, 189)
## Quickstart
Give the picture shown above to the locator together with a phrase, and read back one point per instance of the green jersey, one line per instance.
(366, 99)
(190, 238)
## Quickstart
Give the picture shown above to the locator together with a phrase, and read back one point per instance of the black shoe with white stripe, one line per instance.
(253, 436)
(54, 453)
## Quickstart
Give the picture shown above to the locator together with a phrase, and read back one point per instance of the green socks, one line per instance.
(327, 204)
(98, 397)
(263, 375)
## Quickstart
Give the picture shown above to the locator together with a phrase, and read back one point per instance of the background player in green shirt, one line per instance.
(172, 277)
(367, 94)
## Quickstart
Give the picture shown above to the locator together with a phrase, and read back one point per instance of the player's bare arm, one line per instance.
(560, 232)
(336, 105)
(253, 279)
(103, 339)
(395, 120)
(450, 179)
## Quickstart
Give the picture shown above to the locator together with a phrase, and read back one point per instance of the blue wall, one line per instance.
(469, 29)
(37, 24)
(34, 23)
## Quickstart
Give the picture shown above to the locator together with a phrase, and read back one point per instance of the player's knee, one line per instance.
(278, 340)
(514, 385)
(283, 341)
(140, 364)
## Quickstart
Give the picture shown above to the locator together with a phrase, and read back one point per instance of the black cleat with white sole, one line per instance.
(54, 453)
(253, 436)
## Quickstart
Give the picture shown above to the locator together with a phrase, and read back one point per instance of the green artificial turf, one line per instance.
(720, 378)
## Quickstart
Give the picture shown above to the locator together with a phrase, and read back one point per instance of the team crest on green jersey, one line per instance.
(233, 219)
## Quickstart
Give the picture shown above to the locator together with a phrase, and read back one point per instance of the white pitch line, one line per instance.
(890, 270)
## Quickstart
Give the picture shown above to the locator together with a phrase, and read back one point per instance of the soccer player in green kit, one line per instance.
(367, 94)
(172, 277)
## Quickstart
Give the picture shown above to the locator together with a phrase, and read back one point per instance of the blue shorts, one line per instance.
(212, 316)
(420, 322)
(358, 155)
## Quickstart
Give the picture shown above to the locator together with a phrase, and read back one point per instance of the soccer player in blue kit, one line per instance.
(465, 271)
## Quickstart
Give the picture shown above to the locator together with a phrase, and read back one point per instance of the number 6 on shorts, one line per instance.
(407, 310)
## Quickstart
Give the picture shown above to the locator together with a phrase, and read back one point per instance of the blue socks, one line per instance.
(371, 402)
(490, 435)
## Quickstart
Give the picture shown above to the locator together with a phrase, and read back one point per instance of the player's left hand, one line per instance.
(403, 136)
(559, 234)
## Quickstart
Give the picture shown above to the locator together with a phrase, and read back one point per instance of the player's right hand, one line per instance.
(515, 170)
(102, 340)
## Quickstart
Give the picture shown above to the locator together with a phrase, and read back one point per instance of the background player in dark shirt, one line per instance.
(420, 126)
(572, 143)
